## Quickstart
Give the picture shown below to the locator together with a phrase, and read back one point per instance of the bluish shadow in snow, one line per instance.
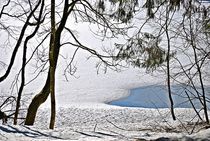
(27, 132)
(157, 97)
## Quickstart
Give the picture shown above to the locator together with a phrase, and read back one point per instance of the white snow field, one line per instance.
(83, 115)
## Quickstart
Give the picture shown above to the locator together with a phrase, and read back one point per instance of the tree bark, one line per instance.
(43, 95)
(52, 66)
(24, 61)
(168, 66)
(37, 101)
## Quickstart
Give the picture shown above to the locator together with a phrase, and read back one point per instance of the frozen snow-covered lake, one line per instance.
(156, 96)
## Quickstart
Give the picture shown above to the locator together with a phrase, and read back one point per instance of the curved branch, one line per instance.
(24, 62)
(92, 51)
(2, 78)
(4, 7)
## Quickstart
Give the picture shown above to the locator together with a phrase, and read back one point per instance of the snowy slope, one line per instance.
(108, 123)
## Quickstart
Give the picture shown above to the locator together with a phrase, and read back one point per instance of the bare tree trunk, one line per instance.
(169, 92)
(52, 66)
(198, 67)
(37, 101)
(24, 61)
(168, 65)
(21, 86)
(42, 96)
(201, 82)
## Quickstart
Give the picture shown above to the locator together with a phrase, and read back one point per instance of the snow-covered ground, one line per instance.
(107, 123)
(82, 112)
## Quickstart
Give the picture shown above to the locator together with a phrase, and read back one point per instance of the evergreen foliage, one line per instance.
(142, 50)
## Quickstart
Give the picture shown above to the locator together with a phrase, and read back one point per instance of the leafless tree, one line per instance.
(34, 18)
